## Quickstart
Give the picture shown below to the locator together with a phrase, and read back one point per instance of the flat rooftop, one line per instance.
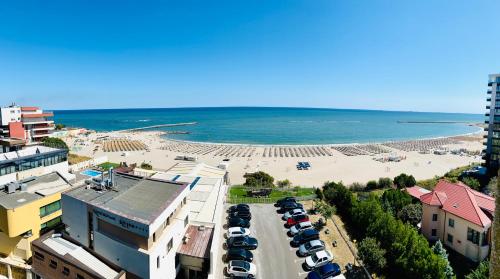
(136, 198)
(26, 152)
(207, 188)
(199, 241)
(75, 254)
(36, 188)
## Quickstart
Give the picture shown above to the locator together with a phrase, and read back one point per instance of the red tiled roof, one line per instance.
(459, 199)
(416, 191)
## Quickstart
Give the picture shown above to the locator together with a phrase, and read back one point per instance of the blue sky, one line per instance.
(396, 55)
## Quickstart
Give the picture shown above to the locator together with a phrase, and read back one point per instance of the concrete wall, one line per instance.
(88, 164)
(75, 217)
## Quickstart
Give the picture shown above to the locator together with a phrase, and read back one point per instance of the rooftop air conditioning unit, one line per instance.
(11, 187)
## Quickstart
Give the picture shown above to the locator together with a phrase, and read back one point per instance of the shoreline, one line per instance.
(162, 136)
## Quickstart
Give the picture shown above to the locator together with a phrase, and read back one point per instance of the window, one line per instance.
(158, 262)
(450, 238)
(65, 271)
(39, 256)
(170, 244)
(433, 232)
(50, 224)
(473, 236)
(434, 217)
(78, 276)
(186, 221)
(53, 264)
(451, 223)
(184, 200)
(154, 237)
(484, 239)
(50, 208)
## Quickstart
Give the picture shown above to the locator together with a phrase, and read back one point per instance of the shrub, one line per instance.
(439, 250)
(357, 187)
(146, 166)
(384, 182)
(371, 254)
(471, 182)
(319, 194)
(481, 272)
(284, 183)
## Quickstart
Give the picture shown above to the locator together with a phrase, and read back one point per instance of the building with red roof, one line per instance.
(30, 124)
(458, 216)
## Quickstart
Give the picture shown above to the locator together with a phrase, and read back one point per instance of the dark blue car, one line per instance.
(326, 271)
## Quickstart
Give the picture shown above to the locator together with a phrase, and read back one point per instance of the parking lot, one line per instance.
(274, 257)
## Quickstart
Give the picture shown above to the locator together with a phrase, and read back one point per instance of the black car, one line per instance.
(287, 206)
(244, 242)
(283, 200)
(239, 207)
(239, 254)
(305, 236)
(241, 214)
(238, 222)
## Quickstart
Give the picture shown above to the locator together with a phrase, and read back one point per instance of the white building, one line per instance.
(28, 123)
(137, 224)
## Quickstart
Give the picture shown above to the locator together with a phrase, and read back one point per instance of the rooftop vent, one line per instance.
(201, 228)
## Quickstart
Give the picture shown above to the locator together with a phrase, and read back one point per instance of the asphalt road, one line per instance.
(274, 258)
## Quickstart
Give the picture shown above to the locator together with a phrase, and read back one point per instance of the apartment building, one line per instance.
(27, 123)
(134, 222)
(33, 161)
(27, 209)
(57, 256)
(458, 216)
(492, 150)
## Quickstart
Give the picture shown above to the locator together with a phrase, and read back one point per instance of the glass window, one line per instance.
(65, 271)
(451, 223)
(186, 221)
(473, 236)
(170, 245)
(158, 262)
(50, 224)
(450, 238)
(434, 217)
(433, 232)
(53, 264)
(50, 208)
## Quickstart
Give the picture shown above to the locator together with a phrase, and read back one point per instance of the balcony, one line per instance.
(488, 100)
(486, 122)
(488, 107)
(487, 114)
(490, 83)
(488, 92)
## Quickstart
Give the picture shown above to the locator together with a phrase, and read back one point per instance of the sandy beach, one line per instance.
(348, 163)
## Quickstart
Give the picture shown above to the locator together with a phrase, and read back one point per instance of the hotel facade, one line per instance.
(31, 124)
(492, 150)
(137, 223)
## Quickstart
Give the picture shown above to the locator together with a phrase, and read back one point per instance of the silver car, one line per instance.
(300, 227)
(311, 247)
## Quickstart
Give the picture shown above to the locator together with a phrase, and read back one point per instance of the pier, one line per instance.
(159, 126)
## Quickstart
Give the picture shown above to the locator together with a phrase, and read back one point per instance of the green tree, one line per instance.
(471, 182)
(326, 210)
(372, 255)
(411, 213)
(481, 272)
(395, 199)
(55, 143)
(146, 166)
(319, 194)
(371, 185)
(60, 126)
(493, 186)
(403, 180)
(259, 179)
(284, 183)
(384, 182)
(439, 250)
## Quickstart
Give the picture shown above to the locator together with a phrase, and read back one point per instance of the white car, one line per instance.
(241, 268)
(237, 231)
(294, 212)
(318, 259)
(300, 227)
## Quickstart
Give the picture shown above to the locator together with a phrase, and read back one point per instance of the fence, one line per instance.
(87, 164)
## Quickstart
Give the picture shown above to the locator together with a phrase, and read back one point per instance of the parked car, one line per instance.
(237, 231)
(238, 222)
(311, 247)
(287, 206)
(318, 259)
(327, 271)
(239, 254)
(294, 220)
(241, 268)
(283, 200)
(249, 276)
(241, 214)
(305, 236)
(300, 227)
(293, 212)
(244, 242)
(239, 207)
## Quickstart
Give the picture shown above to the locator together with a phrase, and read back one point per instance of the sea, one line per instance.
(260, 125)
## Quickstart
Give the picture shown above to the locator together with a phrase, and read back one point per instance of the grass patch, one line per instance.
(75, 159)
(107, 165)
(238, 194)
